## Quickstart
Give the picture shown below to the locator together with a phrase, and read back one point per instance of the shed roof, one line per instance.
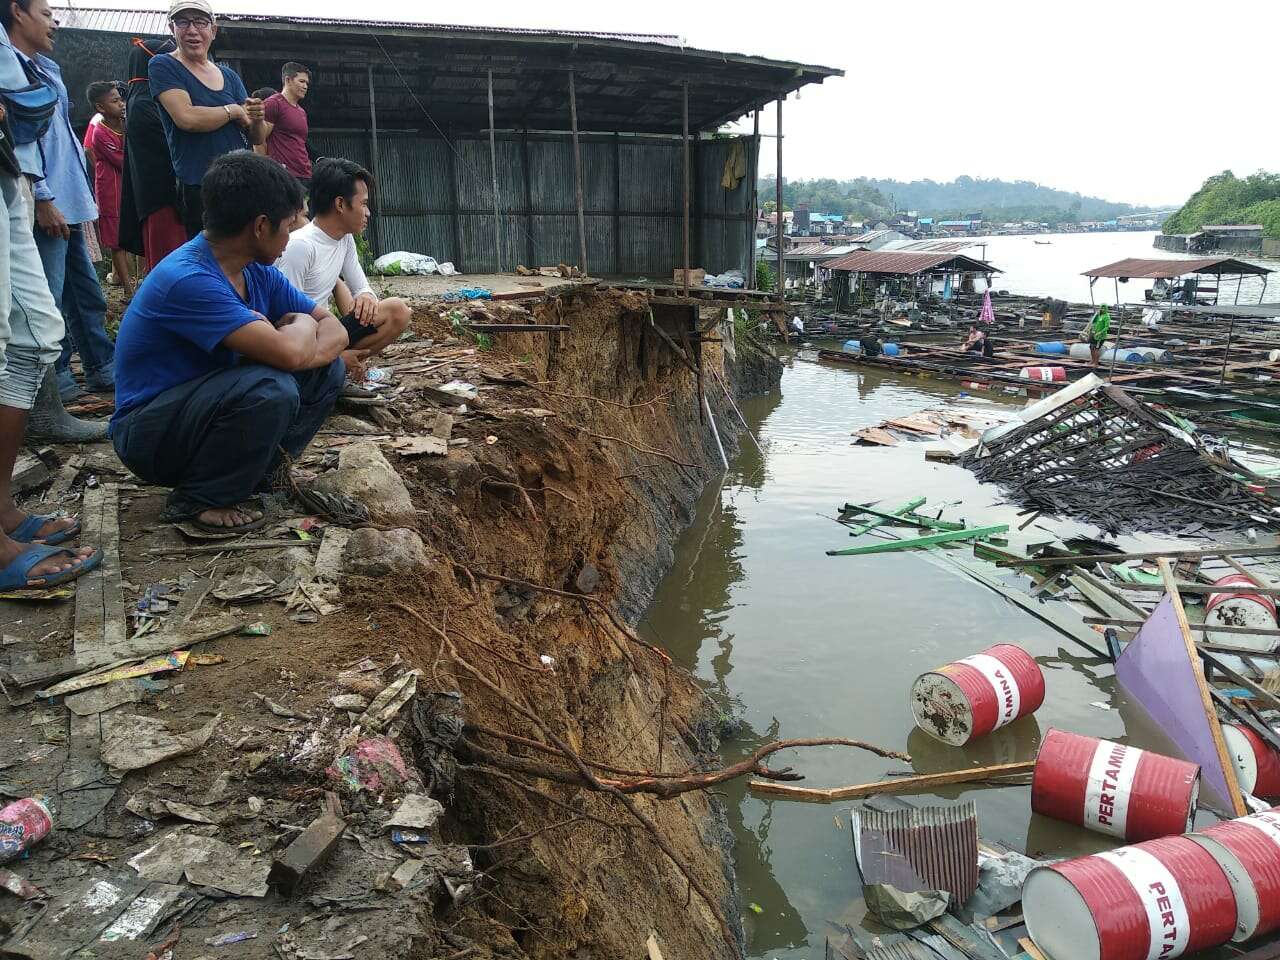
(624, 82)
(1136, 268)
(908, 264)
(933, 246)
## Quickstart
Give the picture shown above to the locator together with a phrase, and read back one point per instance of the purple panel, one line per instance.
(1155, 670)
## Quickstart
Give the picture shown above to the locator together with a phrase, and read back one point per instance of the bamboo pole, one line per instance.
(577, 175)
(493, 166)
(919, 784)
(1210, 711)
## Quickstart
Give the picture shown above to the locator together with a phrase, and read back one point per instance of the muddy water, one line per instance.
(798, 644)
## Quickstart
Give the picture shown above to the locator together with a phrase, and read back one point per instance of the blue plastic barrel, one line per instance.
(1052, 347)
(851, 346)
(890, 349)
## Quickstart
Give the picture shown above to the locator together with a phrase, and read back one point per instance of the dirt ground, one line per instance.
(572, 469)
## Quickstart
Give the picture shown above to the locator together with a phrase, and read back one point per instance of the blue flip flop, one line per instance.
(26, 531)
(17, 573)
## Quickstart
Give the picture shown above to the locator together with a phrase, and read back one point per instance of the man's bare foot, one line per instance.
(228, 517)
(50, 566)
(12, 518)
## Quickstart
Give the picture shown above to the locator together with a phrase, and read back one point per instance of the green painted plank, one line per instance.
(881, 518)
(946, 536)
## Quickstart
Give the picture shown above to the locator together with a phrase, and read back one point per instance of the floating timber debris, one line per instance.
(932, 424)
(1094, 453)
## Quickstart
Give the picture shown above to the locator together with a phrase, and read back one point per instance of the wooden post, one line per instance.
(753, 208)
(577, 175)
(493, 166)
(530, 254)
(782, 263)
(373, 160)
(617, 203)
(1210, 711)
(456, 219)
(685, 182)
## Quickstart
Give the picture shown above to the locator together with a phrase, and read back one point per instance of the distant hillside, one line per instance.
(1227, 199)
(997, 200)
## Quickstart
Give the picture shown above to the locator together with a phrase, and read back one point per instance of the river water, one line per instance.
(793, 643)
(1053, 265)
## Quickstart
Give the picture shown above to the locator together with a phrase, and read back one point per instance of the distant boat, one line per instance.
(1044, 243)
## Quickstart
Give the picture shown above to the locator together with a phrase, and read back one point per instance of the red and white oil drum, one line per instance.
(969, 698)
(1248, 850)
(1113, 788)
(1152, 901)
(1240, 609)
(1044, 374)
(1257, 762)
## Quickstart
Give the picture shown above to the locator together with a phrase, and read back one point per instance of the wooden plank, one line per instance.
(1240, 550)
(1210, 712)
(1203, 589)
(1103, 597)
(1034, 953)
(310, 849)
(932, 539)
(115, 628)
(1196, 627)
(90, 612)
(917, 784)
(1263, 582)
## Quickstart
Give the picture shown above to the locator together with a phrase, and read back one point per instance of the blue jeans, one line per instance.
(31, 328)
(216, 440)
(76, 290)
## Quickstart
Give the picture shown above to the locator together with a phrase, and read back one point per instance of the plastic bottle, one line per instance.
(23, 824)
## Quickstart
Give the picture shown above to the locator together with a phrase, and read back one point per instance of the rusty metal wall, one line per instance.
(436, 201)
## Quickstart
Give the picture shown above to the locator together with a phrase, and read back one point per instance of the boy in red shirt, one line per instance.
(104, 142)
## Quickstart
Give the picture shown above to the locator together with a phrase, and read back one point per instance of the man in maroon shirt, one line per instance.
(287, 123)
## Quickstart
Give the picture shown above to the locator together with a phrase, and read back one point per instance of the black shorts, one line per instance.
(356, 331)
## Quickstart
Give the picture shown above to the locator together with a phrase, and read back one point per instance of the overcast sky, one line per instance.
(1130, 100)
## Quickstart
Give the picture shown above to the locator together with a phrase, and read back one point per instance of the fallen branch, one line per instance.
(922, 782)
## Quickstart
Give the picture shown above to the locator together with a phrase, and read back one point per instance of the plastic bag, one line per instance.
(403, 263)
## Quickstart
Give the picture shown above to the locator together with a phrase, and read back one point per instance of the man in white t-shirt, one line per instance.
(321, 261)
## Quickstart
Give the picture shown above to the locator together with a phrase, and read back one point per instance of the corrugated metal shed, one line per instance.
(149, 22)
(624, 82)
(1136, 268)
(907, 264)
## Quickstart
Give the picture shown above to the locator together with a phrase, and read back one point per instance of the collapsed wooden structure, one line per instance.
(1094, 453)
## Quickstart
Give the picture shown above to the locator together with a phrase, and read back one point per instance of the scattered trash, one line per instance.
(1113, 788)
(226, 939)
(104, 698)
(387, 704)
(310, 849)
(205, 862)
(18, 886)
(1000, 880)
(278, 709)
(402, 263)
(23, 824)
(417, 446)
(755, 907)
(374, 765)
(409, 837)
(162, 664)
(900, 910)
(416, 811)
(258, 629)
(460, 388)
(131, 742)
(969, 698)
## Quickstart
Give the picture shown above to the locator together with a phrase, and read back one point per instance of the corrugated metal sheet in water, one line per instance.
(925, 848)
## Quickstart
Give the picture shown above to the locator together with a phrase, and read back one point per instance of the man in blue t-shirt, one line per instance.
(220, 362)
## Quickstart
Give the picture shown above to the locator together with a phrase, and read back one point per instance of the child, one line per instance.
(104, 142)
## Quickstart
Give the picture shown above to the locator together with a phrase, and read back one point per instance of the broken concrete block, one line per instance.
(365, 474)
(379, 553)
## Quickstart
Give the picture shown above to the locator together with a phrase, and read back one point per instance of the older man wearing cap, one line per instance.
(204, 106)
